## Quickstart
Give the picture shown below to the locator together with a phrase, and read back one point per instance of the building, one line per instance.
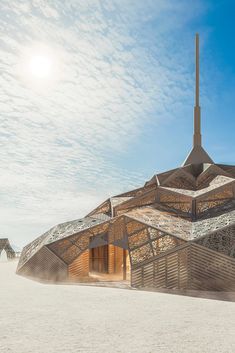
(177, 231)
(6, 246)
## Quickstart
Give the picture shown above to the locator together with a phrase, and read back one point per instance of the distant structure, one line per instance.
(175, 232)
(5, 245)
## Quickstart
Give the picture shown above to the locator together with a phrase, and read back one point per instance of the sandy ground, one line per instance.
(39, 318)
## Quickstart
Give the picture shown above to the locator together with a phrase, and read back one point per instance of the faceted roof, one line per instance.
(216, 183)
(58, 232)
(143, 204)
(198, 155)
(180, 227)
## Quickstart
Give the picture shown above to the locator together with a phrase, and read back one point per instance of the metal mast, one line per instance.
(197, 155)
(197, 140)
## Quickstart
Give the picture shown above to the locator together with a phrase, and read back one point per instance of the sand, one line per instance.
(39, 318)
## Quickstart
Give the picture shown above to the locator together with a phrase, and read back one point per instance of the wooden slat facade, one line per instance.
(79, 267)
(191, 267)
(169, 271)
(45, 265)
(111, 262)
(211, 270)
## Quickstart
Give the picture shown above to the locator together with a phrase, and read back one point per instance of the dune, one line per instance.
(39, 318)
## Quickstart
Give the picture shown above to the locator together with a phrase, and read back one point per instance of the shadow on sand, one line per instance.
(225, 296)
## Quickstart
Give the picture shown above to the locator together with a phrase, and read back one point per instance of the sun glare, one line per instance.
(40, 66)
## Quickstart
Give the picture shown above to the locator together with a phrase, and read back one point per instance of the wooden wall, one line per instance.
(115, 259)
(211, 270)
(79, 267)
(45, 265)
(189, 267)
(169, 271)
(111, 262)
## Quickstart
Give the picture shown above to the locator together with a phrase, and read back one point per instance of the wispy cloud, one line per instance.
(113, 70)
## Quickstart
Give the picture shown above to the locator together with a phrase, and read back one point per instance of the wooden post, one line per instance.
(124, 264)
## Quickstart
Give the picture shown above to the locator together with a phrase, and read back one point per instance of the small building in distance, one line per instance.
(6, 246)
(177, 231)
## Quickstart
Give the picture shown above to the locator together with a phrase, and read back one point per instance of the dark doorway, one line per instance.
(99, 259)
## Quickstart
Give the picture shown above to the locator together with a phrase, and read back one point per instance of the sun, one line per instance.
(40, 66)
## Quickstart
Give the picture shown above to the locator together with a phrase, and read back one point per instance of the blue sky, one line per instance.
(117, 107)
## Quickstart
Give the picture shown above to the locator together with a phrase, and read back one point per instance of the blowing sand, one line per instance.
(38, 318)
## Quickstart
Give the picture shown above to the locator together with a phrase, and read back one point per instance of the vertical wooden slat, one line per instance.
(79, 267)
(124, 264)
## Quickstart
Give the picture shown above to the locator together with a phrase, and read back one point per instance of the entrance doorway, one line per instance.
(99, 259)
(109, 263)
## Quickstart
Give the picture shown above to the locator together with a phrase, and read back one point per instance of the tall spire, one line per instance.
(197, 140)
(198, 154)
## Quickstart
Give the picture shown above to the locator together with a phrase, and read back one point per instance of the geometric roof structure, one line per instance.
(5, 245)
(178, 229)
